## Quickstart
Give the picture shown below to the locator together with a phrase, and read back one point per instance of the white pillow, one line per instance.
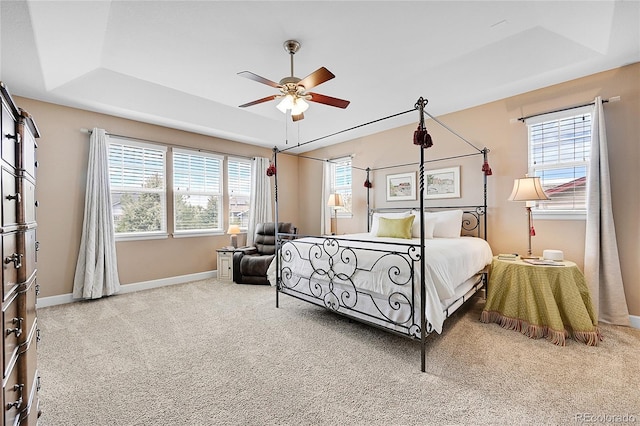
(448, 223)
(429, 226)
(375, 222)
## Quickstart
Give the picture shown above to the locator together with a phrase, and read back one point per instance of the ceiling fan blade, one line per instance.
(259, 101)
(256, 77)
(297, 117)
(316, 78)
(328, 100)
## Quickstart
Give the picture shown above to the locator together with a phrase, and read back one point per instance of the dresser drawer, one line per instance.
(11, 262)
(30, 414)
(28, 133)
(13, 398)
(27, 362)
(9, 136)
(28, 200)
(10, 199)
(12, 330)
(28, 267)
(27, 307)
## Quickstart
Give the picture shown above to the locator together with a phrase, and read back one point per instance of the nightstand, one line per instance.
(225, 263)
(551, 301)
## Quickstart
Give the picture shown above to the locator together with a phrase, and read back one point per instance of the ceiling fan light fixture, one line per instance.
(299, 106)
(285, 104)
(293, 95)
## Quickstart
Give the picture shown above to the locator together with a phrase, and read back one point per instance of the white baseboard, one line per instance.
(43, 302)
(635, 321)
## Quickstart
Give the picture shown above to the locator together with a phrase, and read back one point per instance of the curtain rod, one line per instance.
(604, 101)
(88, 131)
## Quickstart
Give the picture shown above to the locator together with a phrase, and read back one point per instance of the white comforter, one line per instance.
(450, 262)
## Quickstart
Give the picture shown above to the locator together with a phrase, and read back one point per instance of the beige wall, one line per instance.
(62, 154)
(490, 125)
(63, 151)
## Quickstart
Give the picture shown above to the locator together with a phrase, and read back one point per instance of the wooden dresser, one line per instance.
(20, 380)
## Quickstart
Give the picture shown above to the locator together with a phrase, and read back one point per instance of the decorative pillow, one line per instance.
(448, 223)
(395, 228)
(429, 225)
(375, 222)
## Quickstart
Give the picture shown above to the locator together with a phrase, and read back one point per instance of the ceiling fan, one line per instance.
(293, 91)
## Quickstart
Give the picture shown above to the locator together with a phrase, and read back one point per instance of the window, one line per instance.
(137, 178)
(341, 183)
(559, 148)
(239, 189)
(197, 192)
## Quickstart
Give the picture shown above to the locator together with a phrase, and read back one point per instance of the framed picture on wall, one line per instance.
(442, 183)
(401, 187)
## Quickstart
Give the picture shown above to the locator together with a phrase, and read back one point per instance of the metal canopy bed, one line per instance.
(406, 286)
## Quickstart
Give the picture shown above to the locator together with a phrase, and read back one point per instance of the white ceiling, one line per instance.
(175, 63)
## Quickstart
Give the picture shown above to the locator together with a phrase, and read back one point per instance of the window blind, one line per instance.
(559, 150)
(341, 183)
(137, 179)
(197, 186)
(239, 187)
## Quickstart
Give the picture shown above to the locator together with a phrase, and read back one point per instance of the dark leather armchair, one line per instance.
(250, 264)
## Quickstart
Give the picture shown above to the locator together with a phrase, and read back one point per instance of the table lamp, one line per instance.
(528, 189)
(234, 230)
(335, 201)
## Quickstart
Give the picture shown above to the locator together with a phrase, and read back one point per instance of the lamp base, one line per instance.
(234, 241)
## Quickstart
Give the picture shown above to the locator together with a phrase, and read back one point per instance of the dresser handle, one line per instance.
(10, 136)
(16, 197)
(17, 403)
(18, 329)
(16, 259)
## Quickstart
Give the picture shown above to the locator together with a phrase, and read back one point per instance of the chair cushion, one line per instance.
(255, 265)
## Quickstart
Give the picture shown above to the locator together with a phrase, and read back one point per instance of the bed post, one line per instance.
(275, 183)
(367, 183)
(487, 171)
(420, 138)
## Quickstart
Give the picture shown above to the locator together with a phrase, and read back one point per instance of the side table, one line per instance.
(541, 301)
(225, 263)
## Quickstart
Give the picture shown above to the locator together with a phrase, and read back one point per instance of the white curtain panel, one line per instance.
(325, 212)
(261, 208)
(97, 268)
(601, 262)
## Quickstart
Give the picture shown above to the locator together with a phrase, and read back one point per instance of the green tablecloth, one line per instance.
(541, 301)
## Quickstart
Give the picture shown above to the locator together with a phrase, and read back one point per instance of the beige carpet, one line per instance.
(212, 353)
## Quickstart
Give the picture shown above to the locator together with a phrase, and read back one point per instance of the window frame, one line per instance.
(535, 170)
(219, 229)
(248, 162)
(333, 187)
(140, 235)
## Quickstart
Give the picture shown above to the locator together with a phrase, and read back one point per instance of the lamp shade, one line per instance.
(527, 189)
(335, 200)
(233, 230)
